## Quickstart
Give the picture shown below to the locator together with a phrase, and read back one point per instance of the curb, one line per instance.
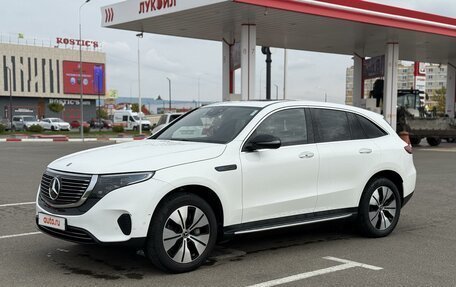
(117, 140)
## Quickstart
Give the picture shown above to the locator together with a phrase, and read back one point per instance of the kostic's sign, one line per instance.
(154, 5)
(83, 43)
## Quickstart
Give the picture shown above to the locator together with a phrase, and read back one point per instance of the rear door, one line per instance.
(347, 157)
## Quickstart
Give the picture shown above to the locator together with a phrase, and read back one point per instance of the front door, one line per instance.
(280, 182)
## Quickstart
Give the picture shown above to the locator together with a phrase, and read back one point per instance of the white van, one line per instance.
(130, 120)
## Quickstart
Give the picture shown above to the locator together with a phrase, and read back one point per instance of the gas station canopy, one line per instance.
(332, 26)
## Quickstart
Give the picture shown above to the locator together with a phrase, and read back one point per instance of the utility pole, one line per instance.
(81, 84)
(10, 88)
(169, 80)
(140, 35)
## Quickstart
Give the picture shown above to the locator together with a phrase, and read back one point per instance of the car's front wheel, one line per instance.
(379, 208)
(182, 233)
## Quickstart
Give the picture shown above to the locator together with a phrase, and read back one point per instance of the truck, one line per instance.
(129, 120)
(413, 118)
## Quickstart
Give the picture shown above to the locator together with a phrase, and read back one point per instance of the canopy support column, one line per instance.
(390, 84)
(451, 90)
(358, 81)
(248, 53)
(226, 72)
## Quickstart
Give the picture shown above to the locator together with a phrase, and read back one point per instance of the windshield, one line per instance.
(57, 120)
(409, 101)
(219, 124)
(136, 118)
(29, 119)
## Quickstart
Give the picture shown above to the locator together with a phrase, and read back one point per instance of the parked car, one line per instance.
(104, 124)
(227, 169)
(77, 123)
(165, 119)
(55, 124)
(24, 122)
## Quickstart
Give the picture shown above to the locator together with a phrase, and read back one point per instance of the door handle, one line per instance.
(365, 151)
(307, 154)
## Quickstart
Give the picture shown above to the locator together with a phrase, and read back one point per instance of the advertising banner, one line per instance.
(374, 67)
(93, 78)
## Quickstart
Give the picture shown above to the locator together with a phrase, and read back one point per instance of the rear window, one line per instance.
(370, 129)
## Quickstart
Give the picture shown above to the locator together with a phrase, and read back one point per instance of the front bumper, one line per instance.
(101, 223)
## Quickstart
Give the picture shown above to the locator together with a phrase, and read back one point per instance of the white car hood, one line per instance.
(144, 155)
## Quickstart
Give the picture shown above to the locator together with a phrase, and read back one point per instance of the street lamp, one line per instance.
(277, 91)
(169, 80)
(80, 71)
(10, 87)
(140, 36)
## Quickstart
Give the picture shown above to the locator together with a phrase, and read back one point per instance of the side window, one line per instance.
(332, 125)
(125, 118)
(371, 129)
(289, 126)
(357, 131)
(15, 119)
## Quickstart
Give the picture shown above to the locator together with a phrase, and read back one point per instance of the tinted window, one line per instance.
(332, 125)
(162, 120)
(371, 129)
(289, 126)
(357, 131)
(125, 118)
(173, 117)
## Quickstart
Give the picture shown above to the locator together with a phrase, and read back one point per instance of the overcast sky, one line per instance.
(311, 75)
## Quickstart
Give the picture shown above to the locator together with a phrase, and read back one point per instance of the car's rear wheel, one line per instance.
(379, 208)
(182, 233)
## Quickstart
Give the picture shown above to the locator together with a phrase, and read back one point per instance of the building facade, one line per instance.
(435, 78)
(33, 77)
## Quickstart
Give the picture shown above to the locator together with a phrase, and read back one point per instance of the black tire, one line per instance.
(450, 140)
(415, 141)
(155, 245)
(52, 128)
(434, 141)
(376, 216)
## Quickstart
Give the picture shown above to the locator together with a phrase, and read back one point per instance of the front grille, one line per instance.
(72, 188)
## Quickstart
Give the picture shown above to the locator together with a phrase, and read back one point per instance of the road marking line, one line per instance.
(19, 235)
(347, 264)
(16, 204)
(438, 150)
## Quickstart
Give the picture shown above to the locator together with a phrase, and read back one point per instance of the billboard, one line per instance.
(93, 78)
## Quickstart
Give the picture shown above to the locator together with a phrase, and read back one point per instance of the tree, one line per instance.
(439, 97)
(135, 108)
(102, 113)
(56, 107)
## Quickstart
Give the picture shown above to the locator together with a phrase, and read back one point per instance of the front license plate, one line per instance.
(51, 221)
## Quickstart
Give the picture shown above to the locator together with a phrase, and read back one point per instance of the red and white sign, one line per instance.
(109, 15)
(93, 78)
(155, 5)
(420, 69)
(77, 42)
(51, 221)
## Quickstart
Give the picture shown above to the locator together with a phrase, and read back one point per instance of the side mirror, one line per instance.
(263, 141)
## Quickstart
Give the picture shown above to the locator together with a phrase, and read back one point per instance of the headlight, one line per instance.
(109, 182)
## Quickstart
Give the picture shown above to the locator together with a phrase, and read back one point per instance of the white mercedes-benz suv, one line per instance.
(226, 169)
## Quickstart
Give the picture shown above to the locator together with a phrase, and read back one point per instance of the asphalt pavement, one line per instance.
(420, 252)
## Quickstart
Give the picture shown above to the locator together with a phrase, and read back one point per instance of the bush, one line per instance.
(118, 129)
(2, 128)
(86, 130)
(35, 129)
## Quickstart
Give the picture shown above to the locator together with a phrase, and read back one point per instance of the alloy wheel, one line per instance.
(382, 208)
(186, 234)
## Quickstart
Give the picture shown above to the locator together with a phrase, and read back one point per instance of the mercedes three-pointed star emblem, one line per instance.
(54, 188)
